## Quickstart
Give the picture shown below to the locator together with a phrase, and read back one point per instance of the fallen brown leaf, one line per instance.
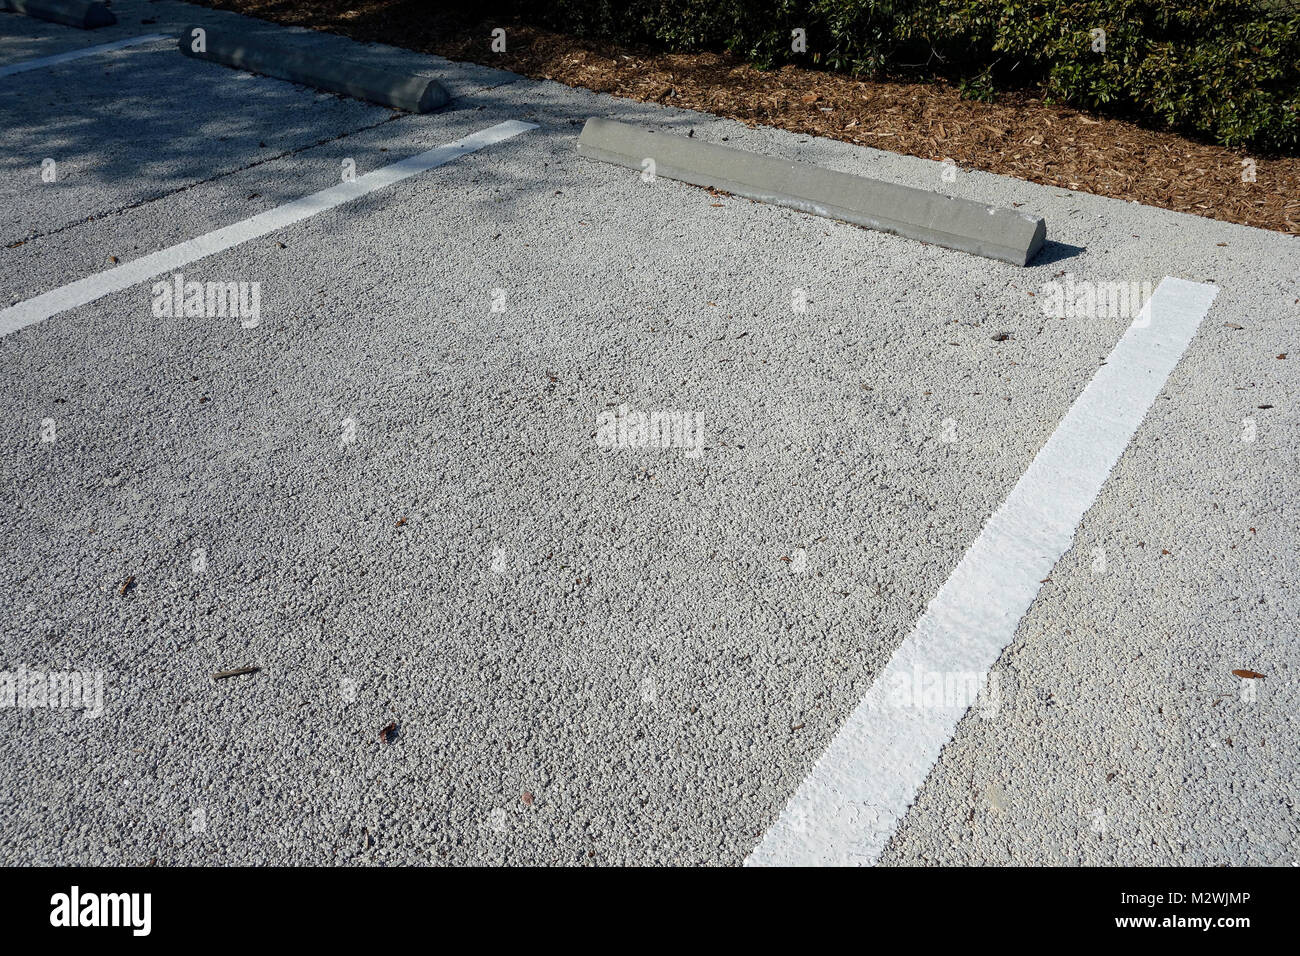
(237, 672)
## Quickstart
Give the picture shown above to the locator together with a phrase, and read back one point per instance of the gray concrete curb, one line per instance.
(403, 91)
(85, 14)
(946, 221)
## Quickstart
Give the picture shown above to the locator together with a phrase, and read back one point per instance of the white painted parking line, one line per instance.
(847, 809)
(175, 257)
(58, 58)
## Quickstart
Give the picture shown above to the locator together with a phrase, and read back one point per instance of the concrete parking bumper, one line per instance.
(962, 224)
(403, 91)
(86, 14)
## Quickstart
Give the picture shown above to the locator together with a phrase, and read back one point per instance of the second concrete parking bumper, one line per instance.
(403, 91)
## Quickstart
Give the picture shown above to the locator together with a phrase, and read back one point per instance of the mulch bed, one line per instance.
(1018, 136)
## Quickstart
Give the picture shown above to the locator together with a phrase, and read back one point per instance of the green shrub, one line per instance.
(1216, 68)
(1226, 70)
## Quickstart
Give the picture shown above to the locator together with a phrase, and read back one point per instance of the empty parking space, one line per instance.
(85, 139)
(415, 489)
(25, 38)
(89, 137)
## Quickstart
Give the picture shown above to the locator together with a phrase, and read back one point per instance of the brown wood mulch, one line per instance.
(1017, 136)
